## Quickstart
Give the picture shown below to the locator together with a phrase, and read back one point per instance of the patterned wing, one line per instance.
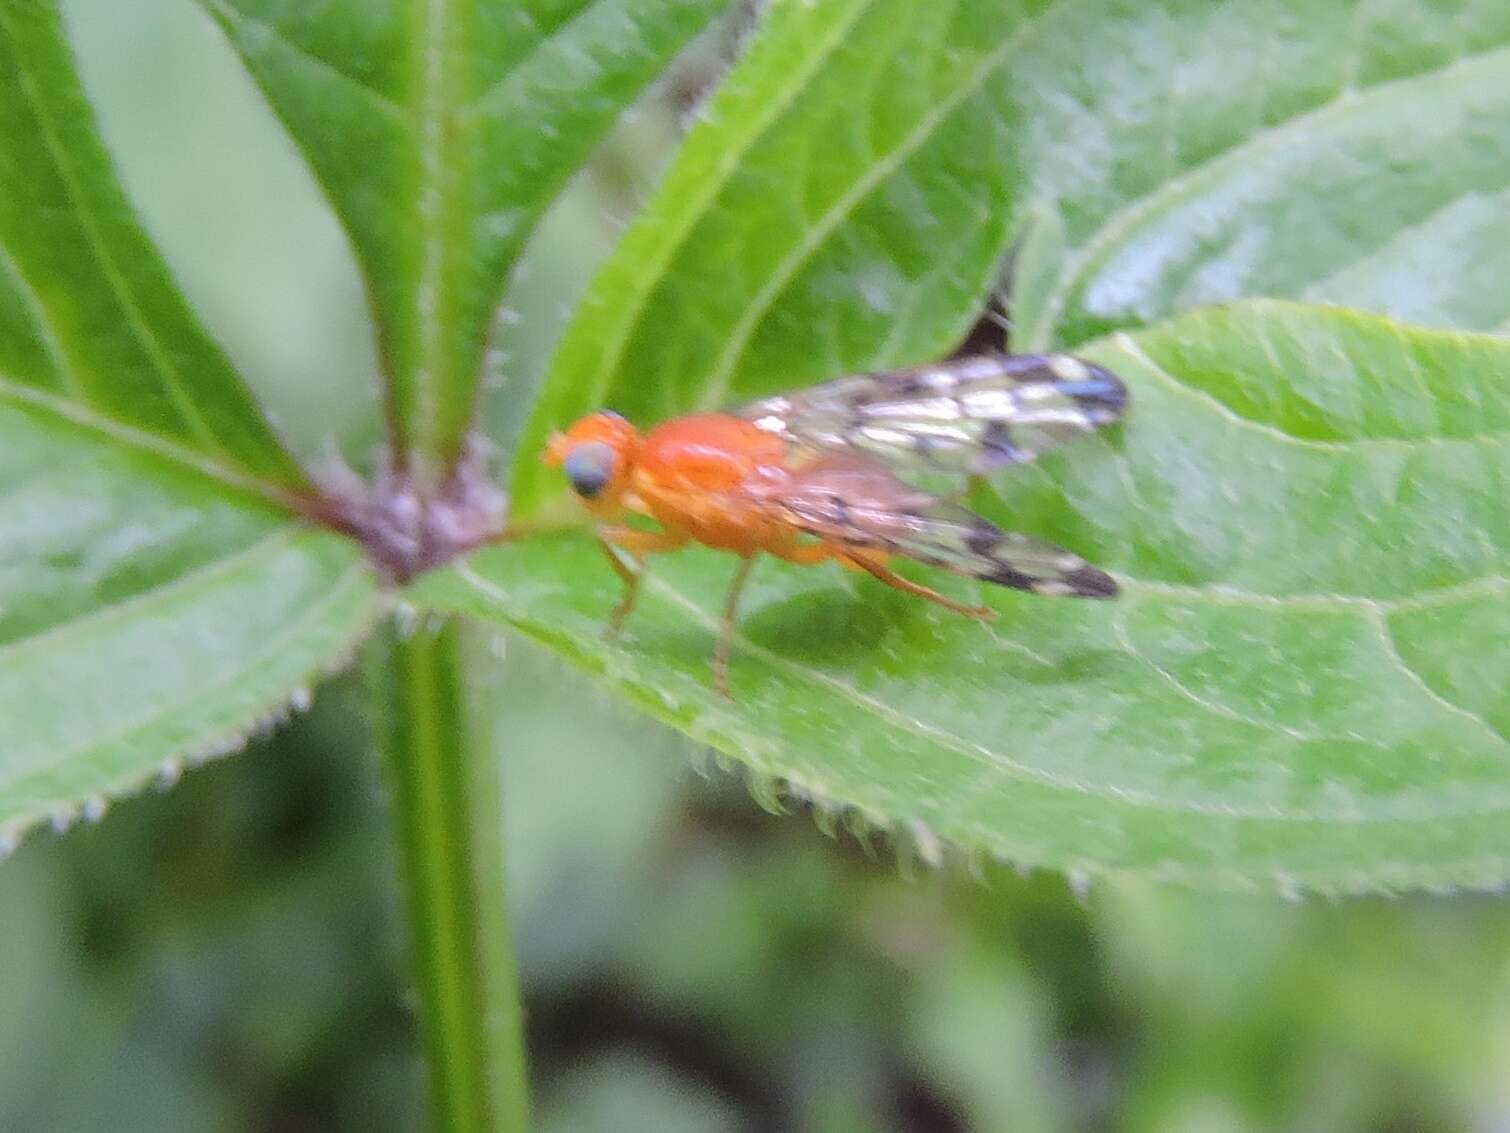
(969, 415)
(858, 503)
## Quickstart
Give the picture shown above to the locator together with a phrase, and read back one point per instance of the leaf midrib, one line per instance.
(117, 433)
(716, 383)
(440, 192)
(708, 188)
(1001, 763)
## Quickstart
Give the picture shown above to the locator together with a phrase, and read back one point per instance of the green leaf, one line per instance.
(158, 593)
(1304, 683)
(838, 205)
(848, 198)
(1332, 150)
(149, 616)
(89, 319)
(441, 131)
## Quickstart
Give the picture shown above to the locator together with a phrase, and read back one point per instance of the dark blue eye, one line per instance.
(589, 467)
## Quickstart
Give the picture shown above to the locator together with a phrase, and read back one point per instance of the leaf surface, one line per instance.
(1303, 684)
(849, 197)
(149, 616)
(158, 594)
(841, 204)
(441, 131)
(1333, 150)
(89, 317)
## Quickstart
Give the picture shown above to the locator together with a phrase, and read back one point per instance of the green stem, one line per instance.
(446, 812)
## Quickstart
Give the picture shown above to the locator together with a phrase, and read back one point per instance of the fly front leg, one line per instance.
(638, 544)
(630, 579)
(725, 644)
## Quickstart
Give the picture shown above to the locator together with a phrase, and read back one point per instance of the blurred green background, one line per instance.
(225, 956)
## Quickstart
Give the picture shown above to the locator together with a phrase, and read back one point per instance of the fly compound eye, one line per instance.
(589, 467)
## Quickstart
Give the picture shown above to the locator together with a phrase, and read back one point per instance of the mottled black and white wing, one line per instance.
(967, 415)
(857, 502)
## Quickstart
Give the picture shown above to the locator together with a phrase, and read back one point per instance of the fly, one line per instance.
(816, 475)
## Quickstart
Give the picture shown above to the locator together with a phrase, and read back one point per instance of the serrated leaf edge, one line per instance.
(734, 747)
(61, 814)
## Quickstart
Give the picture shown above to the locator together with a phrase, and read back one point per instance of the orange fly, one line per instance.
(813, 476)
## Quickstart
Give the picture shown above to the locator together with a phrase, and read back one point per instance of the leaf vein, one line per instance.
(264, 546)
(479, 106)
(997, 761)
(1118, 223)
(686, 218)
(1124, 638)
(1129, 346)
(1234, 596)
(1392, 252)
(42, 322)
(716, 388)
(379, 100)
(1392, 651)
(117, 432)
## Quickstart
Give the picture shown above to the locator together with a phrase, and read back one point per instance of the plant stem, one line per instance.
(446, 813)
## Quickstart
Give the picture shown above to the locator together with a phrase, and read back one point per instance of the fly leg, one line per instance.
(638, 544)
(725, 643)
(630, 579)
(906, 585)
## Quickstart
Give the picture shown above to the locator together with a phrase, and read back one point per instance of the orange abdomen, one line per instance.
(691, 471)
